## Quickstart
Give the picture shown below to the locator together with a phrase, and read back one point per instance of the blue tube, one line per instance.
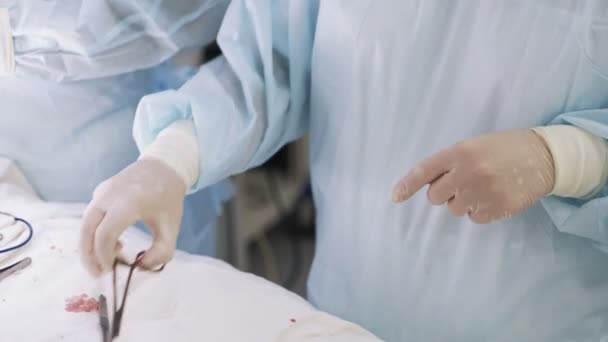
(26, 241)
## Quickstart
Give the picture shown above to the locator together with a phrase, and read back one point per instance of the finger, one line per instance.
(160, 253)
(443, 189)
(491, 217)
(118, 248)
(162, 249)
(424, 173)
(457, 207)
(114, 223)
(90, 221)
(481, 217)
(481, 210)
(118, 251)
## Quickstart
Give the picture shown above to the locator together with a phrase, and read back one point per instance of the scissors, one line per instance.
(110, 332)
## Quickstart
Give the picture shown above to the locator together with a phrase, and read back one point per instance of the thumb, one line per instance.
(160, 253)
(165, 229)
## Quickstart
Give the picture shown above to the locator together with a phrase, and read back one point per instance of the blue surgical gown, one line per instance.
(380, 85)
(81, 69)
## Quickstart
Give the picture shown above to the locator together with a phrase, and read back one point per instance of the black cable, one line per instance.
(306, 230)
(288, 219)
(230, 234)
(274, 194)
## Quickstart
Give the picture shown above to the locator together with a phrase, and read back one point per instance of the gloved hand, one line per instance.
(489, 177)
(147, 190)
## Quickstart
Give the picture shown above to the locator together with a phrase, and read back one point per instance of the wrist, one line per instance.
(177, 147)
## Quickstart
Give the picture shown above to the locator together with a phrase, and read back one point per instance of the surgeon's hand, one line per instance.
(147, 190)
(489, 177)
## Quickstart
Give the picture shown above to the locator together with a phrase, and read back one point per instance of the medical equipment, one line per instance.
(233, 305)
(12, 269)
(9, 221)
(111, 332)
(104, 321)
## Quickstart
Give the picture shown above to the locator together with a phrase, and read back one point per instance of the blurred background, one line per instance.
(268, 226)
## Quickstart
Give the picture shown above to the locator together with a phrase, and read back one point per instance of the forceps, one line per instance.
(11, 269)
(109, 332)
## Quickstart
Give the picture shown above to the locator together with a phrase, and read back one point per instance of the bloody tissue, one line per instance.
(81, 303)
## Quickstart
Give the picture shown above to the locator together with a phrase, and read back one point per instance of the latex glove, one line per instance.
(489, 177)
(147, 190)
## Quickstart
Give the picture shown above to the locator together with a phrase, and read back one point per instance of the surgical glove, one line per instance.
(489, 177)
(147, 190)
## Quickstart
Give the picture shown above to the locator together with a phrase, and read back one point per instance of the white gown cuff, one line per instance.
(177, 147)
(7, 51)
(580, 159)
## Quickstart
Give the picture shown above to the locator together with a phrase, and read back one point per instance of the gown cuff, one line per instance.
(580, 160)
(177, 147)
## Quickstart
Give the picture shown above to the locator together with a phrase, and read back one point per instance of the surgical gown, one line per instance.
(380, 85)
(80, 68)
